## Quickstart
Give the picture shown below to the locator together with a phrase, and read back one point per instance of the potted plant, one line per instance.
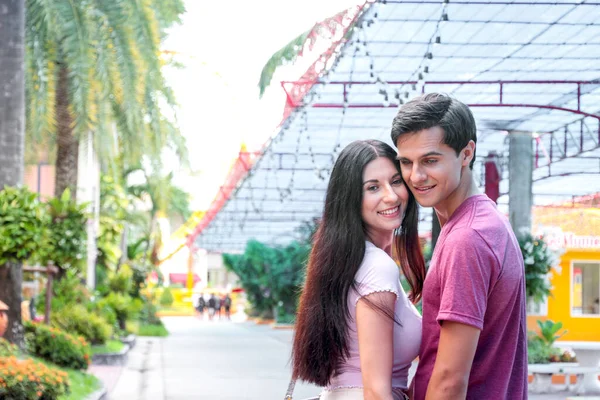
(541, 346)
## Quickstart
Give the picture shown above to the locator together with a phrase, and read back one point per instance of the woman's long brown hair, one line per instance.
(320, 342)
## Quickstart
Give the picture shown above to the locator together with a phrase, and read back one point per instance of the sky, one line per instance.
(224, 46)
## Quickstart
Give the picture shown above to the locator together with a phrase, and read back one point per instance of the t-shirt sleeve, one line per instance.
(466, 264)
(377, 273)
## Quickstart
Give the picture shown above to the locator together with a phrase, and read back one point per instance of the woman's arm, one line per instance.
(376, 345)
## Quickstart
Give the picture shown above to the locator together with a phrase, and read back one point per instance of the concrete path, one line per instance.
(217, 360)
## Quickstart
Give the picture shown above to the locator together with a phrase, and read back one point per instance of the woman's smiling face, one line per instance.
(385, 197)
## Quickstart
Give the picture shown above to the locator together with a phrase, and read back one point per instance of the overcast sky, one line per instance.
(224, 45)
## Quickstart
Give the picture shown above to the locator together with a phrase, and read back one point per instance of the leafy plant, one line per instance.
(67, 291)
(56, 346)
(548, 330)
(271, 276)
(166, 298)
(7, 349)
(68, 233)
(78, 320)
(540, 347)
(23, 225)
(539, 261)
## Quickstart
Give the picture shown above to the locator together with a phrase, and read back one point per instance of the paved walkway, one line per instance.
(218, 360)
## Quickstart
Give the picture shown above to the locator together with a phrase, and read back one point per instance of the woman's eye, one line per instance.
(398, 182)
(372, 188)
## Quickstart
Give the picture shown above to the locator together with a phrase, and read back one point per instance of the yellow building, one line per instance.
(574, 229)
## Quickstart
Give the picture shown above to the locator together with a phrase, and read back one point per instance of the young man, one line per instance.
(474, 343)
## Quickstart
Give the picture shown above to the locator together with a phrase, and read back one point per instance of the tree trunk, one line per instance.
(12, 92)
(67, 153)
(11, 279)
(12, 136)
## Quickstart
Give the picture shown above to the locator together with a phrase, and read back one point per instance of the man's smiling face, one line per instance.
(430, 168)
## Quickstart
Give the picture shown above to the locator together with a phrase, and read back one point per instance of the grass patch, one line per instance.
(141, 329)
(111, 346)
(82, 385)
(152, 330)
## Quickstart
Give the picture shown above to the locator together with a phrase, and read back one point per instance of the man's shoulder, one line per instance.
(483, 222)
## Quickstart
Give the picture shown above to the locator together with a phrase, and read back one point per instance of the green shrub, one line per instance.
(123, 305)
(23, 225)
(56, 346)
(78, 320)
(67, 291)
(166, 298)
(28, 379)
(120, 282)
(148, 313)
(68, 232)
(7, 349)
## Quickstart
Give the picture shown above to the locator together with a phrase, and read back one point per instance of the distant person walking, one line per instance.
(212, 302)
(201, 306)
(227, 305)
(218, 306)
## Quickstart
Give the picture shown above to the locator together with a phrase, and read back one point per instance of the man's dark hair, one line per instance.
(434, 109)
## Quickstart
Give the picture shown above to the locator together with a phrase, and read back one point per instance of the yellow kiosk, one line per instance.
(573, 229)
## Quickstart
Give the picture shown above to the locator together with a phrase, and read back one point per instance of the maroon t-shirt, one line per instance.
(477, 278)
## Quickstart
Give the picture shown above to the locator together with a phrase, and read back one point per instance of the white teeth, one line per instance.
(389, 212)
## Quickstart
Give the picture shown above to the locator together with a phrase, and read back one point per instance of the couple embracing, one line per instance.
(357, 330)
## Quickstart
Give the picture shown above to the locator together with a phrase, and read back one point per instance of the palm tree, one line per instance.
(12, 112)
(165, 200)
(94, 66)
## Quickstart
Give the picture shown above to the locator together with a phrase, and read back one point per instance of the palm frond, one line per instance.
(289, 52)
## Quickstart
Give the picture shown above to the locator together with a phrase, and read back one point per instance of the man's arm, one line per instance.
(456, 350)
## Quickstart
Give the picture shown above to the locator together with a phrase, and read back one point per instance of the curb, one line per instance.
(100, 394)
(119, 358)
(129, 340)
(282, 326)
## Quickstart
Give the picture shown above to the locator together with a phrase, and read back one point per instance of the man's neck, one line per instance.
(466, 189)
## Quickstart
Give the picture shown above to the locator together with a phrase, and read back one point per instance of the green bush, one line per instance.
(148, 313)
(7, 349)
(67, 291)
(23, 225)
(56, 346)
(166, 298)
(120, 282)
(28, 379)
(78, 320)
(68, 232)
(539, 261)
(123, 306)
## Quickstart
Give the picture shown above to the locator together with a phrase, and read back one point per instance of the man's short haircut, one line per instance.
(434, 109)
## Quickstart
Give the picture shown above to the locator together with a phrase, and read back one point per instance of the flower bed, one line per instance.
(27, 379)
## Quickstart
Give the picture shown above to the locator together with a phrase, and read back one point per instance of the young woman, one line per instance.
(357, 332)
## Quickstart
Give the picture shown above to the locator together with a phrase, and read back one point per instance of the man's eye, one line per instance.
(405, 162)
(430, 161)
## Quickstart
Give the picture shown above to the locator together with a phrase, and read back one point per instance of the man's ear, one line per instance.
(468, 153)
